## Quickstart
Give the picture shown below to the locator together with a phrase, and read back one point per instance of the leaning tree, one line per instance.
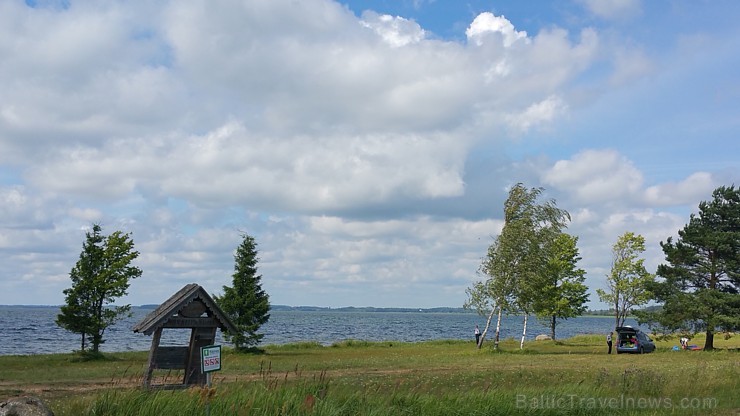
(101, 275)
(516, 260)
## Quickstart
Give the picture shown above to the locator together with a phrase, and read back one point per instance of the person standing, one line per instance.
(477, 335)
(609, 342)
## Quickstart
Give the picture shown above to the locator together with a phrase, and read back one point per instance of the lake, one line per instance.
(31, 329)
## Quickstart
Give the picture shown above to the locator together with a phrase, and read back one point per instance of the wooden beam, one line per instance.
(181, 322)
(171, 358)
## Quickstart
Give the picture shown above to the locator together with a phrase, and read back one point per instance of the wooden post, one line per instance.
(152, 355)
(199, 337)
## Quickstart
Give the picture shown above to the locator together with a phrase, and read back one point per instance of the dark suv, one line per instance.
(633, 340)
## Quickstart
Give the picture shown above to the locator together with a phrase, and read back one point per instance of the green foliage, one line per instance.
(245, 301)
(628, 281)
(529, 229)
(700, 283)
(516, 262)
(563, 293)
(99, 277)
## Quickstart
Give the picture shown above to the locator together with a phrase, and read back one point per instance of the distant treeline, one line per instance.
(600, 312)
(596, 312)
(610, 312)
(367, 309)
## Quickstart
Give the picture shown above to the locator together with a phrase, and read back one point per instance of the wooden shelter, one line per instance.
(191, 307)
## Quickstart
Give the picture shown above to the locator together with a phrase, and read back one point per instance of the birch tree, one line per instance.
(494, 295)
(628, 280)
(518, 255)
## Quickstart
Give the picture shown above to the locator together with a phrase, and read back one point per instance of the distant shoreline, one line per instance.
(345, 309)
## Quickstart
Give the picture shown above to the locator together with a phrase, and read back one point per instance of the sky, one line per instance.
(367, 146)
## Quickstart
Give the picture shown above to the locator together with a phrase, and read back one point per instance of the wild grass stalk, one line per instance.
(572, 376)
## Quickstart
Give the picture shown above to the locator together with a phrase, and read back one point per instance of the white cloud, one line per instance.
(24, 210)
(697, 187)
(487, 24)
(387, 252)
(396, 31)
(234, 166)
(296, 118)
(89, 215)
(539, 113)
(355, 150)
(596, 176)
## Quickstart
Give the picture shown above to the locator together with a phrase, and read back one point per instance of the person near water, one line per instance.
(609, 342)
(477, 335)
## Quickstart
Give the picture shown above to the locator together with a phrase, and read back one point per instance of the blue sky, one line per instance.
(368, 146)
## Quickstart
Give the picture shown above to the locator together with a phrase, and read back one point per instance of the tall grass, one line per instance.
(618, 394)
(572, 376)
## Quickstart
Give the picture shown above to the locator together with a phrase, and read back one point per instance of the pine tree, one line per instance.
(246, 302)
(700, 284)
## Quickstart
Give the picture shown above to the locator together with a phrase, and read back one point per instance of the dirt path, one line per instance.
(58, 389)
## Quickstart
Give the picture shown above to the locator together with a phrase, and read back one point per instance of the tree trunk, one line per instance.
(524, 332)
(485, 330)
(552, 327)
(498, 329)
(616, 315)
(709, 343)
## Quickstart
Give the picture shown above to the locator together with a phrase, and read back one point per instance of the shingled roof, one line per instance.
(173, 305)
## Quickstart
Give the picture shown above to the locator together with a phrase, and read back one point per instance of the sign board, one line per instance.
(210, 358)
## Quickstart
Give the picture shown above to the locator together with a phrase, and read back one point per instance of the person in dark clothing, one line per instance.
(609, 342)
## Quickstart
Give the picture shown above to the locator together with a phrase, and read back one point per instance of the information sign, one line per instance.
(210, 358)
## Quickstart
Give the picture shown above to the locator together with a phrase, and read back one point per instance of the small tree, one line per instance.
(99, 277)
(563, 294)
(245, 302)
(628, 280)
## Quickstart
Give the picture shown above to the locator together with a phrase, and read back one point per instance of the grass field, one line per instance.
(573, 377)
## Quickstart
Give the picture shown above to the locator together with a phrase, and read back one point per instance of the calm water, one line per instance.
(31, 330)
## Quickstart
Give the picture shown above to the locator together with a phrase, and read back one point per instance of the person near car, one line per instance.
(609, 342)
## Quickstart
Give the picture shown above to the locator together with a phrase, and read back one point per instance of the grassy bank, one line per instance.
(574, 376)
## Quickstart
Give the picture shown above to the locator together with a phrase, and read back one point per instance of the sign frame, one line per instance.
(208, 353)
